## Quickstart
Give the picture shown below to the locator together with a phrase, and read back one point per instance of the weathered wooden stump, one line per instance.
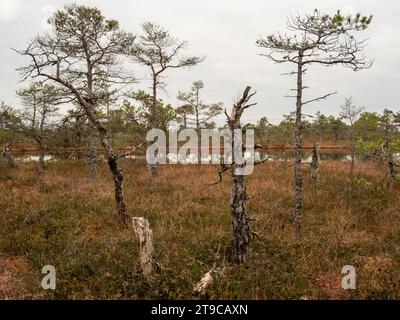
(7, 156)
(201, 287)
(145, 236)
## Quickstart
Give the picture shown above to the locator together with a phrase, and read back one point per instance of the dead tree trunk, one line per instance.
(391, 166)
(118, 185)
(241, 233)
(92, 153)
(7, 156)
(315, 162)
(145, 237)
(298, 144)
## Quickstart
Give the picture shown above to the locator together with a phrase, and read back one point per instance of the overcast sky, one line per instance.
(225, 32)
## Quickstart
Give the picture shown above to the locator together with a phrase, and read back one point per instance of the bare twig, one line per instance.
(319, 98)
(223, 169)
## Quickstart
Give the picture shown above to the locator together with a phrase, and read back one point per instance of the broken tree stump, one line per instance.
(315, 162)
(7, 156)
(145, 236)
(201, 287)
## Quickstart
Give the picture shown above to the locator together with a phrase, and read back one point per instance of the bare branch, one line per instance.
(127, 154)
(319, 98)
(223, 169)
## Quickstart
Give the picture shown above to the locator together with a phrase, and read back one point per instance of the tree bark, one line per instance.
(145, 237)
(118, 189)
(241, 233)
(298, 144)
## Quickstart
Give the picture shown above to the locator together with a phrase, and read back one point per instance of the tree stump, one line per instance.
(145, 236)
(201, 287)
(7, 156)
(315, 162)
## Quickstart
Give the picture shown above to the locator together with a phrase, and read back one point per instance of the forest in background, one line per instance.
(128, 126)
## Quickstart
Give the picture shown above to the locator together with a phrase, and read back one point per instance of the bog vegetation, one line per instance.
(114, 226)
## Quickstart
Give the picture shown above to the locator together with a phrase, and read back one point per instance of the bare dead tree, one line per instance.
(159, 51)
(83, 48)
(7, 156)
(241, 235)
(351, 113)
(316, 39)
(315, 162)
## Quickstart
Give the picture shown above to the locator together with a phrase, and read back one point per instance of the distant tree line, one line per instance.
(129, 121)
(368, 127)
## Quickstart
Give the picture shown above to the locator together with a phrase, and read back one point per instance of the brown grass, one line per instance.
(69, 222)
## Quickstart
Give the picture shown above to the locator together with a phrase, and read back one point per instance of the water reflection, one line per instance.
(272, 155)
(34, 158)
